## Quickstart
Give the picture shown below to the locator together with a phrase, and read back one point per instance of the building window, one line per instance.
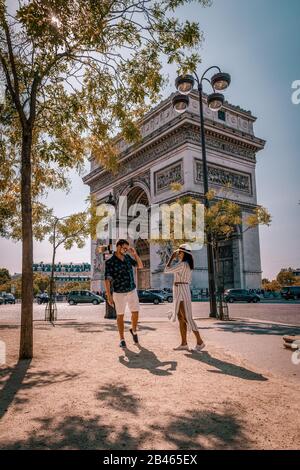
(222, 115)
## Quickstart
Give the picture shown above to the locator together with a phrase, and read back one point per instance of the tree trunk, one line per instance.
(26, 338)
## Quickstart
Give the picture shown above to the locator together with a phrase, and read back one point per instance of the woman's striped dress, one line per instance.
(181, 293)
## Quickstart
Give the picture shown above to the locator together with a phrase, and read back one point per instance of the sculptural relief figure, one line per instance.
(98, 265)
(164, 252)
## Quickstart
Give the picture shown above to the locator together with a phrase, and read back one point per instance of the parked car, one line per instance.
(1, 300)
(240, 295)
(84, 297)
(166, 295)
(146, 296)
(9, 298)
(42, 298)
(290, 292)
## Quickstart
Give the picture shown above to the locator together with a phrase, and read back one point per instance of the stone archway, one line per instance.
(138, 195)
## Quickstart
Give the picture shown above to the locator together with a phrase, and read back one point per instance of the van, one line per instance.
(290, 292)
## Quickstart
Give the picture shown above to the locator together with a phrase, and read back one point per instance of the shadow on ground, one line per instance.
(9, 327)
(253, 328)
(205, 430)
(91, 327)
(226, 368)
(119, 398)
(192, 430)
(16, 380)
(147, 360)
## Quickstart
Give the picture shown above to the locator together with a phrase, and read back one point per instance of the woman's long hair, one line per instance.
(188, 258)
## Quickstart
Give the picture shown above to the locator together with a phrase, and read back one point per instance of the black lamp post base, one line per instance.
(110, 312)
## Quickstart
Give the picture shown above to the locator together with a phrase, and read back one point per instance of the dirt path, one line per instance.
(82, 392)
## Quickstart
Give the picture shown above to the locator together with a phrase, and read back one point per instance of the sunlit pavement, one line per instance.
(254, 332)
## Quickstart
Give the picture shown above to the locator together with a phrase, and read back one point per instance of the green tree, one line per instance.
(66, 231)
(271, 285)
(4, 276)
(74, 285)
(40, 282)
(223, 220)
(285, 277)
(75, 73)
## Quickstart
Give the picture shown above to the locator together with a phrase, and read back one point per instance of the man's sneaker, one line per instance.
(135, 336)
(182, 347)
(122, 343)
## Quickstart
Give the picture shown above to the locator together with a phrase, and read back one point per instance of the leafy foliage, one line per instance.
(286, 277)
(74, 74)
(4, 276)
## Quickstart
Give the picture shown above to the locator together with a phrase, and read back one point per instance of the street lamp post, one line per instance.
(110, 311)
(184, 84)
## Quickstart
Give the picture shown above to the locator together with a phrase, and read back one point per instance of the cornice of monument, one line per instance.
(194, 94)
(167, 103)
(186, 129)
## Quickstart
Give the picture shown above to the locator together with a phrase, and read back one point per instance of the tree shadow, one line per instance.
(258, 328)
(216, 430)
(13, 384)
(95, 327)
(9, 327)
(78, 433)
(226, 368)
(147, 360)
(20, 378)
(118, 397)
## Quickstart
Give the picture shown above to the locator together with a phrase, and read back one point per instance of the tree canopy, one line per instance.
(76, 73)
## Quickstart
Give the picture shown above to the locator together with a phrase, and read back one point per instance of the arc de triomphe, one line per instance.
(170, 152)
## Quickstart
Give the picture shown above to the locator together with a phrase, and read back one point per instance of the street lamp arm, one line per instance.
(208, 82)
(207, 70)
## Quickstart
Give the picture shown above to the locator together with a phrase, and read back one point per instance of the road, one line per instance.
(286, 313)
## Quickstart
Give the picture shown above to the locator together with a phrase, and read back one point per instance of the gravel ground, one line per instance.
(82, 392)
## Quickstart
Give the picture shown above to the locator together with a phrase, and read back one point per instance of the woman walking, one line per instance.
(182, 296)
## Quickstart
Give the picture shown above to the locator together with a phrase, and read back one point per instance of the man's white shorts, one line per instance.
(123, 298)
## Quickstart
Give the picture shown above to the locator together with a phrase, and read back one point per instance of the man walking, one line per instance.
(119, 272)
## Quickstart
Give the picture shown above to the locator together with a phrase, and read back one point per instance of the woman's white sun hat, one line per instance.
(185, 247)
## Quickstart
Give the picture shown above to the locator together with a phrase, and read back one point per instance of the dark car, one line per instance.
(166, 295)
(240, 295)
(9, 298)
(42, 298)
(1, 300)
(146, 296)
(290, 292)
(84, 297)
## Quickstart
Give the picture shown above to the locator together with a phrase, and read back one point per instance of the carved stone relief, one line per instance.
(168, 175)
(222, 177)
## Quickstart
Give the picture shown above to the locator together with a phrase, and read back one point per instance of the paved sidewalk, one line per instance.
(82, 392)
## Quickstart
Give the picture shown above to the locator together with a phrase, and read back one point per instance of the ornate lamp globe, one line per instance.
(215, 101)
(180, 103)
(220, 81)
(184, 84)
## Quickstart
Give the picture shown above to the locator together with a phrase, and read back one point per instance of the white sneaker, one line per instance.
(182, 348)
(199, 347)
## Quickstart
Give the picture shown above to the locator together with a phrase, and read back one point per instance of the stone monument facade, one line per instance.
(170, 152)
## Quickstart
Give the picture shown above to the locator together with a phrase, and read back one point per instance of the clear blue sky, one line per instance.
(258, 43)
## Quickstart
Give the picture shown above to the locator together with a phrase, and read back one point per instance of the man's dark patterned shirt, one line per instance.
(120, 273)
